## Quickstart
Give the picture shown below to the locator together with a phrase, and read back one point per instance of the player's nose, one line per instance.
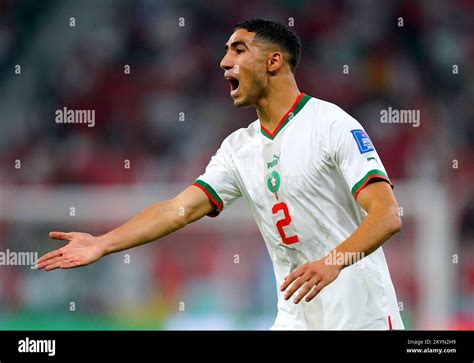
(226, 63)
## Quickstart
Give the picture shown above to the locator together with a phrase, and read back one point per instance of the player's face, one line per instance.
(244, 64)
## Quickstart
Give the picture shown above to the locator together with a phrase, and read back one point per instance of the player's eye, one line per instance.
(238, 50)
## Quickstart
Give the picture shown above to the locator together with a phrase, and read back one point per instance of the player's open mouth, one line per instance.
(234, 85)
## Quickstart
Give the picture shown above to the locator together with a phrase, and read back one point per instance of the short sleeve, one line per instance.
(354, 153)
(218, 181)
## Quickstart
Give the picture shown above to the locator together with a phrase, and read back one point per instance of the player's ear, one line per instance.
(274, 61)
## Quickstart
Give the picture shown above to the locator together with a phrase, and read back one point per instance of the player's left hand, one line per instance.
(312, 277)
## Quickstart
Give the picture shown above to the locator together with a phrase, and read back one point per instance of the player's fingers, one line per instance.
(305, 289)
(316, 289)
(60, 235)
(296, 273)
(48, 256)
(48, 262)
(296, 285)
(52, 266)
(56, 264)
(70, 264)
(292, 277)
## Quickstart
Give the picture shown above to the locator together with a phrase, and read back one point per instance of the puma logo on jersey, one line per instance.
(372, 158)
(276, 159)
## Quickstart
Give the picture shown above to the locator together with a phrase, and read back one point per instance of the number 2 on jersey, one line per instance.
(284, 222)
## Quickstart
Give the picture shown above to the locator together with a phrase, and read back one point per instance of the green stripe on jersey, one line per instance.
(367, 176)
(212, 192)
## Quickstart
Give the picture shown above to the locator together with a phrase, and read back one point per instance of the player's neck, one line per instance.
(277, 101)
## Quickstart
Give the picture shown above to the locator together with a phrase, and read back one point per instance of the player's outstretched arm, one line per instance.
(381, 223)
(152, 223)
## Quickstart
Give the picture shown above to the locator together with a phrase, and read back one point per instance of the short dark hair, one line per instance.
(278, 34)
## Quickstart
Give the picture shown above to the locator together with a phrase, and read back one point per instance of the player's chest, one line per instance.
(282, 168)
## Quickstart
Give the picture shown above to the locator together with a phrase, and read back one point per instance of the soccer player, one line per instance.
(314, 183)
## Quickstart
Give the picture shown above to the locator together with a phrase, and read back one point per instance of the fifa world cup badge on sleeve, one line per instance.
(363, 141)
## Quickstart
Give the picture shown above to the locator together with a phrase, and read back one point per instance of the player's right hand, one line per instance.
(81, 250)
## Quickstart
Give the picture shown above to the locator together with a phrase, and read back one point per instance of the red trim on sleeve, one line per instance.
(390, 323)
(369, 179)
(211, 198)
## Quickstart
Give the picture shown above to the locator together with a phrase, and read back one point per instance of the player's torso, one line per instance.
(304, 208)
(294, 190)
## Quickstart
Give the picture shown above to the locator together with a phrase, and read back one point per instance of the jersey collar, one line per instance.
(292, 112)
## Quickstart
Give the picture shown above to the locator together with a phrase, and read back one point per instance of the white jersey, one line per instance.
(300, 182)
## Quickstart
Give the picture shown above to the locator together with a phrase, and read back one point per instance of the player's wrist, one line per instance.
(332, 260)
(103, 245)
